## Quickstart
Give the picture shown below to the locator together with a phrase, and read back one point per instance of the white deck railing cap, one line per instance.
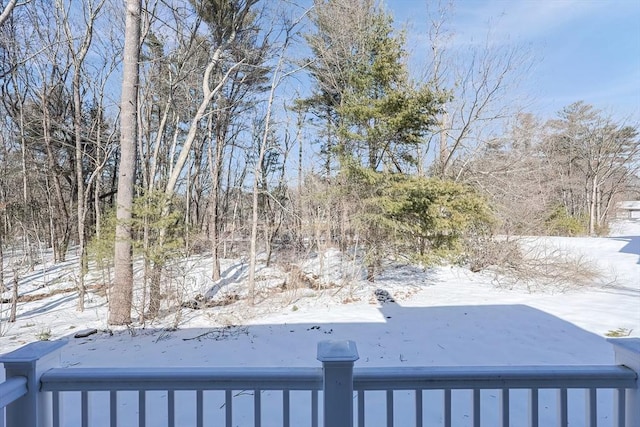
(337, 351)
(31, 352)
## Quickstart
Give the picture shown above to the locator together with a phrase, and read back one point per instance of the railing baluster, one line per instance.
(113, 408)
(504, 406)
(314, 408)
(475, 403)
(56, 408)
(142, 409)
(419, 412)
(591, 407)
(620, 407)
(389, 408)
(534, 415)
(563, 413)
(171, 408)
(257, 408)
(228, 408)
(447, 407)
(361, 408)
(200, 408)
(84, 399)
(286, 408)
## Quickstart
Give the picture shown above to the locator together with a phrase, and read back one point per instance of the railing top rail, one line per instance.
(250, 378)
(494, 377)
(400, 378)
(31, 352)
(12, 390)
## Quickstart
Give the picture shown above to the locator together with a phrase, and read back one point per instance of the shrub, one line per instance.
(561, 223)
(424, 218)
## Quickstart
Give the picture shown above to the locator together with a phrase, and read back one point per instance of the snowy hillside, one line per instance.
(444, 316)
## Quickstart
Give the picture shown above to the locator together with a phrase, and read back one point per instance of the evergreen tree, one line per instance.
(362, 86)
(425, 219)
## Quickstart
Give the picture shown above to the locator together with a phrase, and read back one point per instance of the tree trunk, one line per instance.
(77, 124)
(599, 208)
(98, 185)
(256, 187)
(78, 61)
(443, 149)
(592, 205)
(254, 235)
(122, 290)
(14, 298)
(7, 10)
(60, 229)
(155, 295)
(215, 169)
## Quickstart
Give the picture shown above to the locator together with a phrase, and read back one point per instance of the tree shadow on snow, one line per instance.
(394, 336)
(229, 276)
(391, 335)
(49, 306)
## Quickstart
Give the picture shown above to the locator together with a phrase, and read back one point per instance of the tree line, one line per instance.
(154, 130)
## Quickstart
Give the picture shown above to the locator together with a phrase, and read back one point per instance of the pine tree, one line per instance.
(362, 86)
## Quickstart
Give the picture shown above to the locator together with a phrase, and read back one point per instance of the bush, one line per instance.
(560, 223)
(101, 249)
(424, 218)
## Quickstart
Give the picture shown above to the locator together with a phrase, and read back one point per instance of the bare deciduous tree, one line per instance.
(7, 10)
(480, 79)
(78, 52)
(279, 74)
(596, 158)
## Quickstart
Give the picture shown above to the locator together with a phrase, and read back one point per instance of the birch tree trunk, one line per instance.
(592, 205)
(7, 10)
(122, 290)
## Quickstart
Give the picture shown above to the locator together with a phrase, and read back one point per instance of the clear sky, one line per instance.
(584, 49)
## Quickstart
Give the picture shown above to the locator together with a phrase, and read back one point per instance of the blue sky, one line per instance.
(583, 49)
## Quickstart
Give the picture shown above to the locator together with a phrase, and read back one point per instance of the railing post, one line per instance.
(30, 361)
(337, 359)
(627, 353)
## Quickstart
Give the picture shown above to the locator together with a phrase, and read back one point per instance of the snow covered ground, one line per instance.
(443, 316)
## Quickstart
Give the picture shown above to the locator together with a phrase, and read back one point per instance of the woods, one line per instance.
(148, 131)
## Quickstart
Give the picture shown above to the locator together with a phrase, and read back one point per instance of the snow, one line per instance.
(445, 316)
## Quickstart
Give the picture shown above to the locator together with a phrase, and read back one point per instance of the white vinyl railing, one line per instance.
(37, 393)
(503, 381)
(144, 381)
